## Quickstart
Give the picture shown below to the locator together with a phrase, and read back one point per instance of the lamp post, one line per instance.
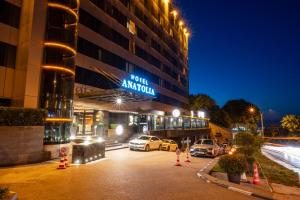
(252, 110)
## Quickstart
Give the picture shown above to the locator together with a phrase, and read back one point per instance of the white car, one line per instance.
(145, 143)
(205, 147)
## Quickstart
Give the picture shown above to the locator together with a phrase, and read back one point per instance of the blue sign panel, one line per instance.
(138, 84)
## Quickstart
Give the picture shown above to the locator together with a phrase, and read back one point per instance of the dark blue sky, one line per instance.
(246, 49)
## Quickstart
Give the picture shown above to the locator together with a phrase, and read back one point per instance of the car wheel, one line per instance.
(168, 149)
(159, 148)
(147, 147)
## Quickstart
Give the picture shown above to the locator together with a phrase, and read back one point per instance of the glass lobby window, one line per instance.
(158, 122)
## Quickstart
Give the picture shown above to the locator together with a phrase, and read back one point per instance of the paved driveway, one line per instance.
(123, 175)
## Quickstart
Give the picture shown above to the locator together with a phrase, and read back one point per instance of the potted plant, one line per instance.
(234, 166)
(3, 192)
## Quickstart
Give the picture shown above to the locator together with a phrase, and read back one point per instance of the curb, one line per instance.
(112, 149)
(235, 189)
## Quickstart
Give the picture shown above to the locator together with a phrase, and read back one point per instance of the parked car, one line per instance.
(205, 147)
(145, 143)
(169, 145)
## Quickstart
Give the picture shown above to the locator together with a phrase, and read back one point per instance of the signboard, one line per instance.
(138, 84)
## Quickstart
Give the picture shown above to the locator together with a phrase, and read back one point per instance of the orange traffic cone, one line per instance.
(187, 156)
(255, 175)
(61, 164)
(66, 160)
(177, 161)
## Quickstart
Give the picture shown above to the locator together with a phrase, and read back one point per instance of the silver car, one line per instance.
(205, 147)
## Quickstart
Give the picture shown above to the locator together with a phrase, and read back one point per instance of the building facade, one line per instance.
(95, 65)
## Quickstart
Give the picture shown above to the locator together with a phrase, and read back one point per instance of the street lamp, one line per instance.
(252, 110)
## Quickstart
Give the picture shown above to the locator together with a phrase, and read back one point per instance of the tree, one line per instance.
(201, 102)
(240, 115)
(220, 117)
(208, 104)
(291, 123)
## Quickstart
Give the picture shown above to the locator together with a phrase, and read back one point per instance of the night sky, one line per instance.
(246, 49)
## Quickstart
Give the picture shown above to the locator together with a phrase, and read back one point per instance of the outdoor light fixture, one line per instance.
(201, 114)
(180, 23)
(175, 13)
(192, 113)
(176, 113)
(119, 101)
(119, 130)
(100, 139)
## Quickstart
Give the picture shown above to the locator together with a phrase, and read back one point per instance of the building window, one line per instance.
(9, 14)
(99, 27)
(7, 55)
(141, 34)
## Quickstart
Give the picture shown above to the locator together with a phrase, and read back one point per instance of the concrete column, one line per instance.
(29, 54)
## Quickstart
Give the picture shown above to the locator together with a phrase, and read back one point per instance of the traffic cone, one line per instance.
(244, 177)
(61, 164)
(177, 161)
(187, 156)
(255, 175)
(66, 160)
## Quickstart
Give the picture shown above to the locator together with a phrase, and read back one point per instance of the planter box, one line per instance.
(84, 153)
(21, 145)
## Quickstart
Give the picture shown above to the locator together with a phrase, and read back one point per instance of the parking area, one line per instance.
(123, 174)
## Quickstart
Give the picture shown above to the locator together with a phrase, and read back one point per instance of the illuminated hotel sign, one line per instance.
(138, 84)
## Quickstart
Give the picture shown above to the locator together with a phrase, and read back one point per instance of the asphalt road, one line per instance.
(124, 175)
(287, 156)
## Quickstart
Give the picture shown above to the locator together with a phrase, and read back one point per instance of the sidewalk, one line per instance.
(241, 188)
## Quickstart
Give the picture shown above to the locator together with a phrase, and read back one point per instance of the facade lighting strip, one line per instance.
(58, 68)
(63, 7)
(60, 45)
(58, 119)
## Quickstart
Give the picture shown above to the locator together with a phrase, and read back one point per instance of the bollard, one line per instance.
(177, 157)
(187, 155)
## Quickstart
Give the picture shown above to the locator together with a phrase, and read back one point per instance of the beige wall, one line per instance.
(21, 145)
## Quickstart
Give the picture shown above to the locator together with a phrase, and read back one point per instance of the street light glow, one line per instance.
(119, 101)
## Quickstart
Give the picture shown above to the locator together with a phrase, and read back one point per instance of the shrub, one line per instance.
(233, 164)
(22, 116)
(248, 146)
(3, 192)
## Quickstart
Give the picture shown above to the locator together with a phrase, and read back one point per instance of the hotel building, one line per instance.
(95, 65)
